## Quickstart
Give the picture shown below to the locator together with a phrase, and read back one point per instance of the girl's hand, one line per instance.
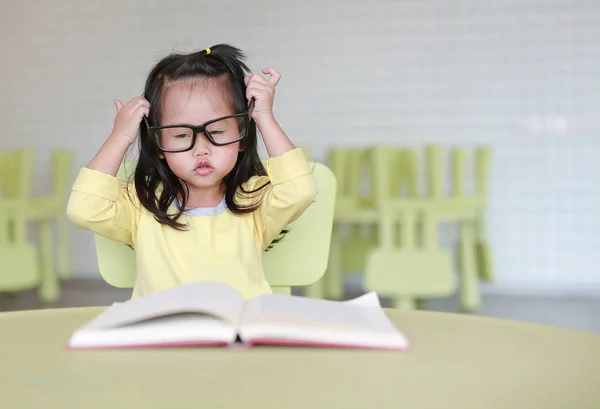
(263, 92)
(129, 117)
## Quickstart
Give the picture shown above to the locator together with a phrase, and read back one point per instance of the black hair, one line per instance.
(225, 65)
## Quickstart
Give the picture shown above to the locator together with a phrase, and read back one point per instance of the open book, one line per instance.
(215, 314)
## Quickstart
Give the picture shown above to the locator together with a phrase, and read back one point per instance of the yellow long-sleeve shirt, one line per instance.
(217, 246)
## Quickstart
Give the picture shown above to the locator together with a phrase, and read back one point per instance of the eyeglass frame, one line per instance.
(200, 129)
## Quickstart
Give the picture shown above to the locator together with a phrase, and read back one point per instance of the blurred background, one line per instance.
(502, 94)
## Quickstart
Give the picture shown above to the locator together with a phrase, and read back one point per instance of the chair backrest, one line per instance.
(300, 259)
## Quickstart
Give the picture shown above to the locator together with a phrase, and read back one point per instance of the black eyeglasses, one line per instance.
(221, 131)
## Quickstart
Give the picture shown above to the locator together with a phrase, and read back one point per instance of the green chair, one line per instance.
(298, 260)
(51, 208)
(409, 265)
(47, 211)
(19, 266)
(474, 253)
(357, 222)
(16, 176)
(19, 259)
(353, 213)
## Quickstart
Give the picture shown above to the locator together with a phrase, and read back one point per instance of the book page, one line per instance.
(361, 314)
(211, 298)
(188, 329)
(368, 300)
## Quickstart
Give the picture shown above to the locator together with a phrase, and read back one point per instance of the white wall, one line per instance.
(405, 72)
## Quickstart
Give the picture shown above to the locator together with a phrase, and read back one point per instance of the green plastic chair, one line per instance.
(298, 260)
(16, 176)
(19, 266)
(47, 211)
(409, 265)
(19, 259)
(52, 208)
(353, 211)
(356, 227)
(474, 252)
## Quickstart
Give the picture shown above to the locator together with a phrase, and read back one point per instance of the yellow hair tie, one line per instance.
(207, 51)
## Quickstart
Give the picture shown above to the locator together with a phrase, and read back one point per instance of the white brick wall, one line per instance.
(408, 72)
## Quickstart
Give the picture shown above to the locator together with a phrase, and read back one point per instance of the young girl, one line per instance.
(201, 205)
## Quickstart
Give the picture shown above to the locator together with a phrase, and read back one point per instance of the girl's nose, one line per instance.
(201, 147)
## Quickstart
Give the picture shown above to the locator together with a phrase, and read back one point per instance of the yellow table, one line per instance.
(456, 361)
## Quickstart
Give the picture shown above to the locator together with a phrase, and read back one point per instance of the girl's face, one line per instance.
(205, 165)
